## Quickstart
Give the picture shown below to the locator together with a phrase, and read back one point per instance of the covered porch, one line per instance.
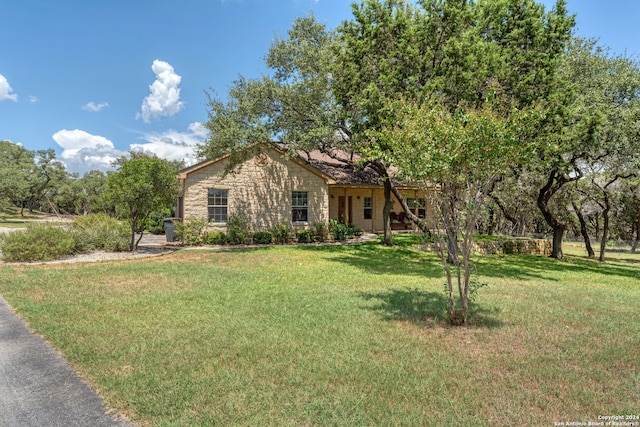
(362, 206)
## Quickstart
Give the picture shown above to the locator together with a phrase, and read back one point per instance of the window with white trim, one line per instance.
(368, 207)
(299, 206)
(218, 203)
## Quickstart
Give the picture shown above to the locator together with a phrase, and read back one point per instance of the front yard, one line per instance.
(340, 335)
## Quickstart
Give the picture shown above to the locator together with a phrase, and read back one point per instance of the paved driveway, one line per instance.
(38, 388)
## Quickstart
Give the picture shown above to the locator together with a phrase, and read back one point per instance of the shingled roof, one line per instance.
(338, 170)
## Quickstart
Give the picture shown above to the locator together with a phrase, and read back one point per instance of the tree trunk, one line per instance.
(513, 220)
(558, 234)
(583, 230)
(554, 182)
(386, 213)
(634, 245)
(605, 227)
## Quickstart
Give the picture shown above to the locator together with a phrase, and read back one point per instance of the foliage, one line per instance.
(190, 231)
(238, 231)
(100, 232)
(39, 242)
(461, 153)
(143, 184)
(155, 221)
(215, 238)
(321, 231)
(262, 237)
(339, 230)
(305, 236)
(282, 232)
(28, 177)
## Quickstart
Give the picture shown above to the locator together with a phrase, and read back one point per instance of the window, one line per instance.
(417, 206)
(300, 206)
(421, 208)
(368, 207)
(218, 204)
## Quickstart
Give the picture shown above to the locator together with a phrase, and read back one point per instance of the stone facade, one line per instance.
(259, 189)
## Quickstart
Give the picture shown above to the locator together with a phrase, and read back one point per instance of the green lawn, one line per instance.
(341, 335)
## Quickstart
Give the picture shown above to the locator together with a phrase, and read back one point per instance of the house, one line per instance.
(272, 185)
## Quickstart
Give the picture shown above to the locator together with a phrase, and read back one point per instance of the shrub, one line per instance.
(215, 238)
(354, 231)
(305, 236)
(262, 237)
(190, 231)
(155, 221)
(321, 231)
(40, 242)
(282, 232)
(238, 231)
(339, 230)
(100, 232)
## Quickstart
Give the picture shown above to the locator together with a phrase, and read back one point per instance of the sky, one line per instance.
(94, 79)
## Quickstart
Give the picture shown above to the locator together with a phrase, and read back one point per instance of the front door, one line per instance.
(344, 209)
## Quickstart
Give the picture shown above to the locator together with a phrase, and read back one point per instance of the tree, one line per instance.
(16, 164)
(329, 89)
(142, 184)
(599, 142)
(460, 154)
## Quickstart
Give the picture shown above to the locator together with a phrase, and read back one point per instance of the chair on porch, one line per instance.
(399, 221)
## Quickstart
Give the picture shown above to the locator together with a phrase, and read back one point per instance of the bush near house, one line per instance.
(238, 231)
(282, 232)
(305, 236)
(215, 238)
(262, 237)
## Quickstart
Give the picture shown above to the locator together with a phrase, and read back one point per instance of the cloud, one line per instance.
(174, 145)
(93, 107)
(164, 99)
(33, 99)
(82, 151)
(6, 90)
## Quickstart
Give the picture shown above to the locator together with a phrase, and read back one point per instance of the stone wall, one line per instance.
(516, 246)
(260, 190)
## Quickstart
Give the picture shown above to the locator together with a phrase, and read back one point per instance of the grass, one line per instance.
(340, 335)
(11, 218)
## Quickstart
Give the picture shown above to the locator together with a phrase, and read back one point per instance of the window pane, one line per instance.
(300, 206)
(217, 204)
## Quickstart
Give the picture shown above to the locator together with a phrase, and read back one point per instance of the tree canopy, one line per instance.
(141, 185)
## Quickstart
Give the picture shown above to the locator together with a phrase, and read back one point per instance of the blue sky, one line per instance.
(94, 79)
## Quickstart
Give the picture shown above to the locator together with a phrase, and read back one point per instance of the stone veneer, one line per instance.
(260, 190)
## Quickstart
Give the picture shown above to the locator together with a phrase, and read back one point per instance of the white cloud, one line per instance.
(164, 99)
(174, 145)
(6, 90)
(93, 107)
(33, 99)
(82, 151)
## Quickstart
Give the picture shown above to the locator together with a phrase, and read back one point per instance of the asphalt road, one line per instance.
(37, 386)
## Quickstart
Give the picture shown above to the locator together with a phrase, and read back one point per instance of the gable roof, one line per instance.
(330, 168)
(182, 174)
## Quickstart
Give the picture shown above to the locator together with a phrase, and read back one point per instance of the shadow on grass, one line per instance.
(530, 266)
(424, 309)
(378, 259)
